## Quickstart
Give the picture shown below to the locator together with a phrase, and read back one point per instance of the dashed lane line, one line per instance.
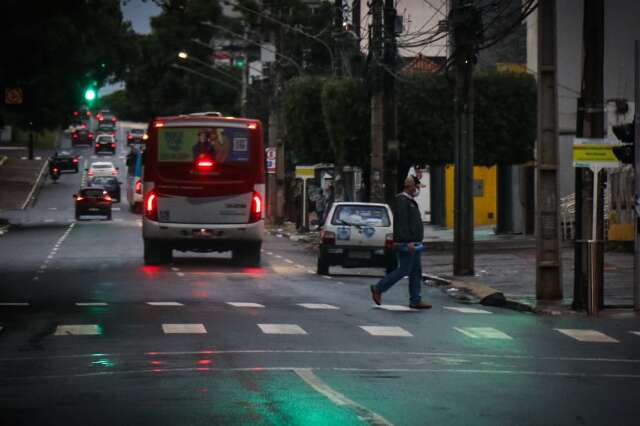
(91, 304)
(164, 304)
(180, 274)
(14, 304)
(583, 335)
(386, 331)
(245, 305)
(398, 308)
(184, 329)
(78, 330)
(281, 329)
(483, 333)
(318, 306)
(289, 261)
(364, 414)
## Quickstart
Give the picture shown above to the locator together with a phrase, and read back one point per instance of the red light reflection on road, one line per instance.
(255, 272)
(151, 271)
(258, 369)
(155, 362)
(157, 370)
(200, 294)
(204, 362)
(203, 369)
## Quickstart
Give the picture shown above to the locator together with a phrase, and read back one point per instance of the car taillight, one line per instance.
(90, 135)
(113, 145)
(84, 125)
(107, 197)
(113, 133)
(79, 198)
(97, 145)
(88, 113)
(114, 172)
(56, 170)
(256, 208)
(74, 136)
(113, 119)
(388, 241)
(145, 137)
(129, 137)
(75, 161)
(328, 237)
(139, 187)
(90, 173)
(151, 206)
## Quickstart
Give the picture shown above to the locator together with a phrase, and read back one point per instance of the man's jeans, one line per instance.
(408, 265)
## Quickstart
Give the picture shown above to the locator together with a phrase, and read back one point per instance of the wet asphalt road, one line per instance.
(89, 335)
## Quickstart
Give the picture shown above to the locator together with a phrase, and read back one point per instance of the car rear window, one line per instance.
(137, 131)
(101, 166)
(376, 216)
(105, 139)
(185, 144)
(103, 180)
(93, 192)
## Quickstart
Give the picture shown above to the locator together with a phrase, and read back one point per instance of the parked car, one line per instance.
(105, 143)
(102, 168)
(111, 184)
(92, 201)
(357, 235)
(66, 160)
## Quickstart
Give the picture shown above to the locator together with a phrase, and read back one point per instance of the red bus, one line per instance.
(204, 187)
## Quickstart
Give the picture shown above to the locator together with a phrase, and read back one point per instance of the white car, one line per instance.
(357, 235)
(102, 168)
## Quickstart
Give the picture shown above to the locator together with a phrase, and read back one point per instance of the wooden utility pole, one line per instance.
(390, 104)
(376, 177)
(464, 57)
(590, 124)
(548, 255)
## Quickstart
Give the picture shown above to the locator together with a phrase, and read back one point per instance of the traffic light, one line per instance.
(627, 135)
(239, 62)
(90, 95)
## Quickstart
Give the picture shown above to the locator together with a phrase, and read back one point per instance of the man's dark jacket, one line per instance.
(407, 221)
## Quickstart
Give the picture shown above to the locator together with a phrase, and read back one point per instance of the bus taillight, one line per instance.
(139, 187)
(256, 208)
(151, 206)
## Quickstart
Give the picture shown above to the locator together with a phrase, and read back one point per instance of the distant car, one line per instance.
(357, 235)
(136, 136)
(92, 201)
(102, 168)
(66, 160)
(81, 136)
(111, 184)
(107, 128)
(106, 116)
(105, 143)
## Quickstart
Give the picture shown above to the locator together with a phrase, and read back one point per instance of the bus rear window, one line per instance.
(185, 144)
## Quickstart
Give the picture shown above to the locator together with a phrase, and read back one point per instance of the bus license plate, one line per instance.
(360, 254)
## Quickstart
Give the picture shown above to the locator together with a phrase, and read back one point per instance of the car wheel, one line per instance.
(75, 170)
(248, 256)
(323, 265)
(156, 253)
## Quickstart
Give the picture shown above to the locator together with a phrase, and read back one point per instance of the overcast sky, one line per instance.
(139, 13)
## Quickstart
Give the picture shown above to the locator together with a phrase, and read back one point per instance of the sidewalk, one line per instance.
(20, 178)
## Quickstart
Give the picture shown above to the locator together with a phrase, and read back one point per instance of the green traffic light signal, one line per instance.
(90, 95)
(240, 62)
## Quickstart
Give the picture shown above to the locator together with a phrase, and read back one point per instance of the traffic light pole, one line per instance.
(376, 176)
(636, 253)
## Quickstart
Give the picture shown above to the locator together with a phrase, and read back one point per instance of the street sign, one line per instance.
(305, 172)
(588, 154)
(13, 96)
(270, 154)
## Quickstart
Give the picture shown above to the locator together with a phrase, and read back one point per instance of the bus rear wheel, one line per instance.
(156, 253)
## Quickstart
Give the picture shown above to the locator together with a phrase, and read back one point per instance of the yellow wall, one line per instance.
(485, 207)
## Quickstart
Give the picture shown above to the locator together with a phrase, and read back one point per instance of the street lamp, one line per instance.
(183, 55)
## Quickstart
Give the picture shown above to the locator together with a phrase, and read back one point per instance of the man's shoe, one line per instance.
(376, 295)
(420, 305)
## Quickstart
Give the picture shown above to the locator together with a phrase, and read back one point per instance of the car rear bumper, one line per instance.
(353, 257)
(219, 237)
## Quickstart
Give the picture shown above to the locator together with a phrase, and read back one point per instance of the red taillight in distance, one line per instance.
(151, 206)
(90, 135)
(256, 208)
(388, 242)
(328, 237)
(97, 145)
(139, 187)
(75, 161)
(74, 135)
(113, 145)
(129, 137)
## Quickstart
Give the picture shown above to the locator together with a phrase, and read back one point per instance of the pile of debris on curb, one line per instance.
(288, 230)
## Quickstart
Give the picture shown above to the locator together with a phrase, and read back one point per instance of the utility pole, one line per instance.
(463, 15)
(590, 124)
(636, 253)
(548, 255)
(390, 108)
(376, 177)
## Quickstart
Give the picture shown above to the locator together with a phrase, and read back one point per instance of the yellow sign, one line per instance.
(594, 153)
(511, 67)
(305, 172)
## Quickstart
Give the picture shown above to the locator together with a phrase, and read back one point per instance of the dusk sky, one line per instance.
(139, 13)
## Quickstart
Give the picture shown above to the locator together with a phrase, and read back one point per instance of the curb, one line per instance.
(36, 185)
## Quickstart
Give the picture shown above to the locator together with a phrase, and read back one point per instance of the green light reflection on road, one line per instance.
(104, 362)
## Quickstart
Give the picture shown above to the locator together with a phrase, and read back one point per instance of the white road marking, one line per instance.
(637, 333)
(377, 330)
(467, 310)
(53, 208)
(175, 269)
(289, 261)
(317, 306)
(164, 304)
(309, 271)
(278, 256)
(270, 253)
(180, 274)
(339, 399)
(91, 304)
(14, 304)
(245, 305)
(118, 220)
(35, 278)
(327, 277)
(115, 209)
(400, 308)
(587, 335)
(483, 333)
(281, 329)
(78, 330)
(48, 220)
(184, 329)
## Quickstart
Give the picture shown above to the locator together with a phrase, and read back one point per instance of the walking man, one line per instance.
(407, 235)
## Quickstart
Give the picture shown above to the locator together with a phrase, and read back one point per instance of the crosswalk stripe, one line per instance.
(467, 310)
(584, 335)
(91, 304)
(376, 330)
(184, 329)
(164, 304)
(289, 261)
(401, 308)
(78, 330)
(317, 306)
(483, 333)
(281, 329)
(245, 305)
